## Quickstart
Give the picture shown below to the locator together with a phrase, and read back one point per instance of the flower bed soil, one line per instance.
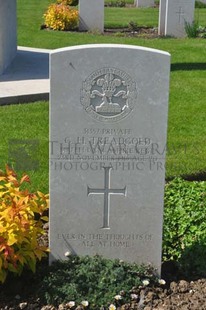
(141, 32)
(185, 295)
(177, 294)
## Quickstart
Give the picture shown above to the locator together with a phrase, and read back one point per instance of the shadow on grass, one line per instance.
(192, 261)
(188, 66)
(199, 176)
(191, 266)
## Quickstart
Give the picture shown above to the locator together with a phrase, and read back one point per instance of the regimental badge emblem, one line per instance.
(108, 94)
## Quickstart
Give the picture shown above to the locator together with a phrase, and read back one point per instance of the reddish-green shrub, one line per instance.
(61, 17)
(22, 215)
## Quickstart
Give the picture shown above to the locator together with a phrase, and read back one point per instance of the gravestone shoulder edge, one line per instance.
(103, 46)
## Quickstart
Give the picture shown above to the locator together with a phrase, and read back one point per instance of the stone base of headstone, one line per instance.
(91, 15)
(8, 33)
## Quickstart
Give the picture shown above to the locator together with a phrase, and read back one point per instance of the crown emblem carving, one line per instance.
(108, 94)
(109, 85)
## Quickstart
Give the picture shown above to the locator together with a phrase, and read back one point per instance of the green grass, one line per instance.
(30, 18)
(120, 17)
(186, 129)
(187, 106)
(27, 122)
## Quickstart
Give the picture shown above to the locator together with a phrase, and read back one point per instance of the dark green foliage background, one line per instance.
(184, 233)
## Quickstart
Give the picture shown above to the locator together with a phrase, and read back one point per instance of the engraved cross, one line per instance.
(106, 191)
(181, 14)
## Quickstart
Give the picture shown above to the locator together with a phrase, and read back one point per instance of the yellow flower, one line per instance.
(145, 282)
(85, 303)
(67, 254)
(70, 304)
(117, 297)
(162, 282)
(112, 307)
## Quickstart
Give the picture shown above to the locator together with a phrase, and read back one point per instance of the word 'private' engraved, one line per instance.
(106, 191)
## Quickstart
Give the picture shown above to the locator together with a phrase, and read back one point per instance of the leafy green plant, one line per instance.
(191, 29)
(133, 26)
(94, 279)
(61, 17)
(192, 260)
(200, 4)
(21, 224)
(202, 32)
(184, 218)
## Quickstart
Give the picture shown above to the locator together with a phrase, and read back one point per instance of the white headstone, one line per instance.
(178, 12)
(144, 3)
(91, 15)
(162, 16)
(108, 124)
(8, 33)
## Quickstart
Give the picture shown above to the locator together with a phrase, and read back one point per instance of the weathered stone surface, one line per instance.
(162, 16)
(108, 123)
(91, 15)
(178, 12)
(8, 33)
